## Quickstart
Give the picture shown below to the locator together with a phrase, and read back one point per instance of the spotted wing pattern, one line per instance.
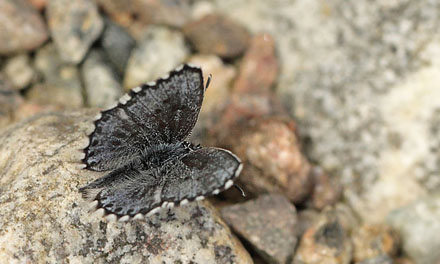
(155, 113)
(135, 192)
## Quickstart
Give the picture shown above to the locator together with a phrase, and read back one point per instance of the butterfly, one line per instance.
(141, 142)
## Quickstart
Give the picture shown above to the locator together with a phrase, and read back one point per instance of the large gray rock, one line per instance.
(419, 226)
(360, 78)
(74, 26)
(44, 219)
(22, 27)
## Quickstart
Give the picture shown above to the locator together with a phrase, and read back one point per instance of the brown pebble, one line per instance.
(217, 35)
(259, 68)
(371, 241)
(327, 190)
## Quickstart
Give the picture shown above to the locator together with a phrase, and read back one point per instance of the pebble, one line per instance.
(19, 70)
(117, 44)
(22, 27)
(119, 11)
(170, 13)
(10, 100)
(272, 157)
(326, 241)
(216, 34)
(372, 241)
(160, 51)
(259, 67)
(100, 81)
(274, 242)
(419, 227)
(74, 26)
(61, 84)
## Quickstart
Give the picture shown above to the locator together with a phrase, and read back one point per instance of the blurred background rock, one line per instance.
(333, 106)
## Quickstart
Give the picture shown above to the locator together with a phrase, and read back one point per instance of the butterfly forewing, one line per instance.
(156, 113)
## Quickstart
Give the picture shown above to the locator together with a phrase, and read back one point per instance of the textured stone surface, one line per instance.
(360, 79)
(61, 81)
(159, 51)
(101, 83)
(384, 259)
(217, 35)
(372, 242)
(272, 158)
(19, 71)
(275, 242)
(171, 13)
(44, 219)
(117, 44)
(259, 68)
(22, 27)
(326, 241)
(74, 26)
(418, 225)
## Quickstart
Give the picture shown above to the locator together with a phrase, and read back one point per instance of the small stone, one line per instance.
(326, 241)
(270, 151)
(159, 51)
(383, 259)
(19, 71)
(327, 190)
(22, 27)
(74, 25)
(418, 225)
(274, 242)
(170, 13)
(122, 12)
(100, 81)
(305, 219)
(373, 241)
(216, 34)
(259, 68)
(61, 81)
(117, 44)
(44, 219)
(10, 100)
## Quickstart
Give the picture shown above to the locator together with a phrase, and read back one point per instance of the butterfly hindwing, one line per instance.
(197, 174)
(161, 112)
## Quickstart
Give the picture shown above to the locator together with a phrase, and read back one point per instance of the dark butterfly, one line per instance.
(141, 141)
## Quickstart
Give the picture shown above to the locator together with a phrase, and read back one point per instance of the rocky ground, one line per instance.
(333, 106)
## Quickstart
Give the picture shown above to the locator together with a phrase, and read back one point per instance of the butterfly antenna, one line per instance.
(208, 81)
(240, 189)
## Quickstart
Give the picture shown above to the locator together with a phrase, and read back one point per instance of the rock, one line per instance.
(383, 259)
(418, 225)
(19, 71)
(259, 68)
(61, 86)
(374, 242)
(159, 51)
(122, 12)
(326, 241)
(44, 218)
(216, 34)
(101, 84)
(170, 13)
(74, 26)
(327, 190)
(274, 242)
(218, 93)
(22, 27)
(10, 100)
(272, 158)
(117, 44)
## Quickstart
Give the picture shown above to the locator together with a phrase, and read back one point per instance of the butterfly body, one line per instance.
(141, 142)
